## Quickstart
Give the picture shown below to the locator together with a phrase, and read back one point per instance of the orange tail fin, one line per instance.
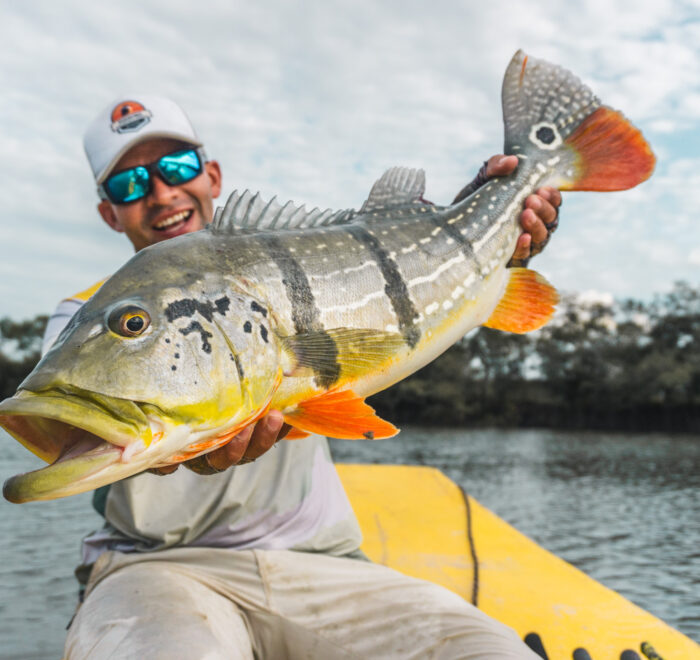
(611, 154)
(554, 121)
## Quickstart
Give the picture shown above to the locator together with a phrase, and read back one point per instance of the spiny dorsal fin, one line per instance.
(248, 211)
(397, 186)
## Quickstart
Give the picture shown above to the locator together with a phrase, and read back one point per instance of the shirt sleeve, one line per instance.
(59, 320)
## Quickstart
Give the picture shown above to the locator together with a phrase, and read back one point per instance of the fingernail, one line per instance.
(502, 160)
(536, 203)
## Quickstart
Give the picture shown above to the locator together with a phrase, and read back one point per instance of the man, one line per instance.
(261, 560)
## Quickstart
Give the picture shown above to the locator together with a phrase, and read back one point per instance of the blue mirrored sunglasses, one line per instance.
(135, 183)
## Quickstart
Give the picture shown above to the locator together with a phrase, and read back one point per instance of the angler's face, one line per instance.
(167, 211)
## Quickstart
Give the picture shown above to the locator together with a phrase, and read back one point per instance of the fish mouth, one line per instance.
(79, 433)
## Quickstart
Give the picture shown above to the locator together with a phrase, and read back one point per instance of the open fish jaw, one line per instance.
(87, 446)
(77, 434)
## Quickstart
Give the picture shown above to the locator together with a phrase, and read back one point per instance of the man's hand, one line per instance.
(538, 219)
(252, 442)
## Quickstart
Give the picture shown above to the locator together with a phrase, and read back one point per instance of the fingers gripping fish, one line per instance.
(306, 312)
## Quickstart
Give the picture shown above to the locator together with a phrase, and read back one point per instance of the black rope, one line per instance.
(472, 549)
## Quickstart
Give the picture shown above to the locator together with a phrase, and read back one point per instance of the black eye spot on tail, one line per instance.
(545, 134)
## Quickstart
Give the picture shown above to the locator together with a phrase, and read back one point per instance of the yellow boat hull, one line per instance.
(417, 521)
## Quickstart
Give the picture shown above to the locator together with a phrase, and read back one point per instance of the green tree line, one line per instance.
(600, 364)
(613, 365)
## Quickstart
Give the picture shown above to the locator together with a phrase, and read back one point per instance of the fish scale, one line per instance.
(307, 312)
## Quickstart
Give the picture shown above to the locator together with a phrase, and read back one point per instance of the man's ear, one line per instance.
(107, 213)
(214, 173)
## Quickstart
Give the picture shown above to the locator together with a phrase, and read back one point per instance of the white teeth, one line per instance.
(171, 220)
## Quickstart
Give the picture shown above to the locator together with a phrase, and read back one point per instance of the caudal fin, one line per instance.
(551, 117)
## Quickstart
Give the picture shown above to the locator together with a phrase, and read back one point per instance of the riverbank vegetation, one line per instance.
(600, 364)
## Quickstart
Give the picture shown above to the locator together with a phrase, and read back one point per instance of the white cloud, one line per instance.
(313, 101)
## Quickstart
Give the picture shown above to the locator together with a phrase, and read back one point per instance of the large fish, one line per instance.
(274, 307)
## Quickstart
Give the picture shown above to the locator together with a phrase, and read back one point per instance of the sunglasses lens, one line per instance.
(180, 167)
(175, 169)
(128, 186)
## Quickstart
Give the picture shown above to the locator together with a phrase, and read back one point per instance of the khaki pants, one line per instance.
(196, 603)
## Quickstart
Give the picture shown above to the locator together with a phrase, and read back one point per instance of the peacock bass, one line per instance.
(307, 312)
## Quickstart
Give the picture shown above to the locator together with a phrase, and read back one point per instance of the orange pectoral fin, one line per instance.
(527, 304)
(340, 414)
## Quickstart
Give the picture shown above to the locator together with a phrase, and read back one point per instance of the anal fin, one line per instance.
(339, 414)
(527, 304)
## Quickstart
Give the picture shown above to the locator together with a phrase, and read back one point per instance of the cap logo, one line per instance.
(129, 116)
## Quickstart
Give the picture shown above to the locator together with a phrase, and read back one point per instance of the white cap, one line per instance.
(129, 120)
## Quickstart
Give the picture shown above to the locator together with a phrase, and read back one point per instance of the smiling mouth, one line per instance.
(173, 221)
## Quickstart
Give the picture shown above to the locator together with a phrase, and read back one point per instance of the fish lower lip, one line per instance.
(80, 461)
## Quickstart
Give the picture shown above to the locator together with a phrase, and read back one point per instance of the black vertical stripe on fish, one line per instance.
(305, 314)
(395, 287)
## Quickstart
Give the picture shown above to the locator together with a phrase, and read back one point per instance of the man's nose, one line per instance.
(161, 192)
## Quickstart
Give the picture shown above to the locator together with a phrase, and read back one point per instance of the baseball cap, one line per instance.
(129, 120)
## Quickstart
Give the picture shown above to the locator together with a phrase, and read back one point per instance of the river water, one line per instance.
(623, 508)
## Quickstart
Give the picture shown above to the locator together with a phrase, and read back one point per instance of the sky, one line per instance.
(312, 101)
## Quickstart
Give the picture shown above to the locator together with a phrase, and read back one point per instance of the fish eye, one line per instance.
(129, 321)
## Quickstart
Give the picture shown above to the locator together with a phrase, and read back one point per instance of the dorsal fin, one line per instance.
(248, 211)
(397, 186)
